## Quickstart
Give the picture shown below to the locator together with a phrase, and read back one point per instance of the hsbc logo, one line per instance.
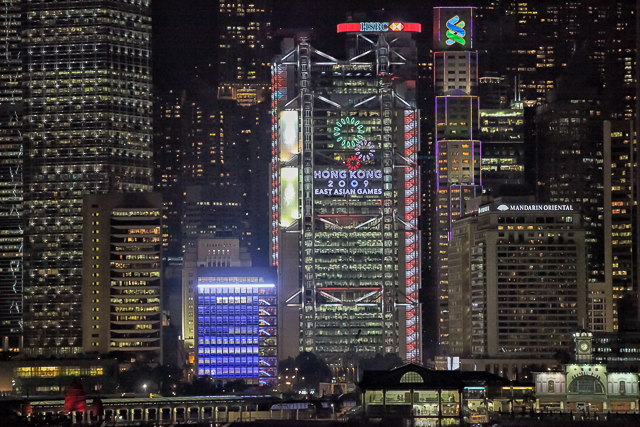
(381, 26)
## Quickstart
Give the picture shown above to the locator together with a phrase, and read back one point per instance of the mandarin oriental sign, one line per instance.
(505, 208)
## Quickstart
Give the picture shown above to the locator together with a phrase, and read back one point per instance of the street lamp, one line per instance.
(144, 386)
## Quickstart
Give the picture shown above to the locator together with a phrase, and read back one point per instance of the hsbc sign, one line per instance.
(378, 27)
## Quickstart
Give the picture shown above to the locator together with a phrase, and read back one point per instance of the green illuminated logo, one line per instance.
(455, 32)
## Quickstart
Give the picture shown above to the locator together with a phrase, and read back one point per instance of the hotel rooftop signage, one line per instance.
(521, 207)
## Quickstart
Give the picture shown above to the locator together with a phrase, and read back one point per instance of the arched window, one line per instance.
(623, 387)
(550, 387)
(587, 385)
(411, 377)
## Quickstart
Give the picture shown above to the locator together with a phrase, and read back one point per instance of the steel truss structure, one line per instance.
(345, 199)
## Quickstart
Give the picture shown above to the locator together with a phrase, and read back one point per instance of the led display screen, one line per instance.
(288, 136)
(288, 196)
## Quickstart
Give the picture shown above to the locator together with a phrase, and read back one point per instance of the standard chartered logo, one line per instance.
(455, 32)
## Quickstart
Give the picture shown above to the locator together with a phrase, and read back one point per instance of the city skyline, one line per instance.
(381, 158)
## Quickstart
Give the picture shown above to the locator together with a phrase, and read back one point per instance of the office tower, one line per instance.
(230, 310)
(503, 151)
(244, 76)
(122, 269)
(11, 179)
(224, 172)
(495, 92)
(569, 151)
(86, 129)
(610, 305)
(226, 135)
(426, 160)
(458, 149)
(213, 183)
(518, 288)
(345, 195)
(532, 41)
(168, 135)
(209, 252)
(244, 34)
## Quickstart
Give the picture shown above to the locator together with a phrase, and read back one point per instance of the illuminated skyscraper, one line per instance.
(122, 309)
(225, 143)
(244, 35)
(229, 313)
(224, 173)
(458, 153)
(168, 135)
(11, 178)
(345, 195)
(244, 76)
(87, 129)
(610, 304)
(569, 152)
(516, 280)
(532, 41)
(503, 150)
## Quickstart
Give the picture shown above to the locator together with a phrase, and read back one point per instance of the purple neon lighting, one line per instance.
(469, 73)
(480, 162)
(471, 35)
(478, 112)
(437, 154)
(477, 73)
(446, 110)
(235, 285)
(471, 116)
(450, 210)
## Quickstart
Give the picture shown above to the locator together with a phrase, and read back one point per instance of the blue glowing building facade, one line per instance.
(236, 324)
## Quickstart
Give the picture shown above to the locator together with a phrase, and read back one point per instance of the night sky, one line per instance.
(184, 31)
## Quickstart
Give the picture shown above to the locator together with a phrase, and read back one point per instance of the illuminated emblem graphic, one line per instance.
(353, 163)
(396, 26)
(348, 131)
(503, 208)
(365, 150)
(289, 194)
(455, 31)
